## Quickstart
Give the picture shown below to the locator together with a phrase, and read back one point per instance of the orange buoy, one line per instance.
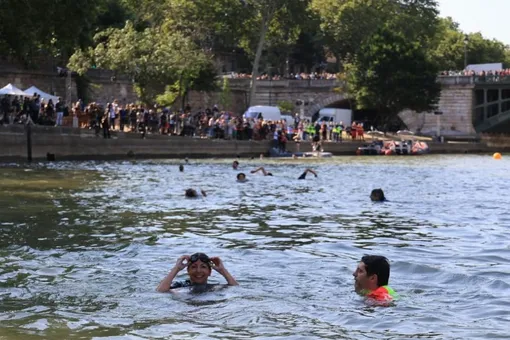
(496, 155)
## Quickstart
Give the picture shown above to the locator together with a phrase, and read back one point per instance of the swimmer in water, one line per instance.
(303, 175)
(241, 177)
(377, 195)
(264, 172)
(192, 193)
(181, 167)
(199, 267)
(371, 278)
(235, 165)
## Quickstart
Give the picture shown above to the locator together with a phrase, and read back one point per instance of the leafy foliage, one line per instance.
(169, 47)
(391, 73)
(285, 106)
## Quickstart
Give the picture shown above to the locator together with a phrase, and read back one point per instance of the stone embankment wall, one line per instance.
(456, 103)
(68, 143)
(78, 144)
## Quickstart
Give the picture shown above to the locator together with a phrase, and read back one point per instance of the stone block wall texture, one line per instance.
(68, 143)
(102, 89)
(456, 103)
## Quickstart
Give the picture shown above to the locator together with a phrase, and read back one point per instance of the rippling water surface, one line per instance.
(84, 245)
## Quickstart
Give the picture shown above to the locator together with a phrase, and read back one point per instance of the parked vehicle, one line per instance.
(263, 112)
(288, 119)
(335, 116)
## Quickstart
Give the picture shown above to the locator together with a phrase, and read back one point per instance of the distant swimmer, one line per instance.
(264, 172)
(377, 195)
(267, 173)
(235, 165)
(199, 267)
(241, 177)
(303, 175)
(181, 167)
(192, 193)
(371, 278)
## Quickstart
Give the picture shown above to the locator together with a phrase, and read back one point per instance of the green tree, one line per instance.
(285, 106)
(55, 27)
(450, 44)
(153, 58)
(264, 15)
(391, 73)
(347, 24)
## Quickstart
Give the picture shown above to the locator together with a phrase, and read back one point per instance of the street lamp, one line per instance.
(466, 42)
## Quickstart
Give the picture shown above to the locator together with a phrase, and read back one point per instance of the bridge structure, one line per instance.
(469, 104)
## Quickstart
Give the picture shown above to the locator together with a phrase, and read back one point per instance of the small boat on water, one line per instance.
(405, 147)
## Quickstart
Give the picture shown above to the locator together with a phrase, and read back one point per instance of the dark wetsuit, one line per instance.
(303, 175)
(196, 288)
(181, 284)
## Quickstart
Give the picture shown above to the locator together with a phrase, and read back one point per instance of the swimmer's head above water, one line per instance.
(377, 195)
(241, 177)
(235, 165)
(199, 267)
(192, 193)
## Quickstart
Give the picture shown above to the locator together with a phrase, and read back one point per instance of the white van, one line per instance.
(336, 116)
(289, 119)
(265, 112)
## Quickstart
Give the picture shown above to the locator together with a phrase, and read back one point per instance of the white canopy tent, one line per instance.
(12, 90)
(46, 96)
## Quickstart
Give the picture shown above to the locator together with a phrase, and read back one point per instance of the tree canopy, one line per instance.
(168, 47)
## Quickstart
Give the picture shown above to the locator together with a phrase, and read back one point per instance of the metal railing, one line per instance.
(304, 83)
(468, 80)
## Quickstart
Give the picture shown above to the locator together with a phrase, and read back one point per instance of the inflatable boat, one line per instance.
(406, 147)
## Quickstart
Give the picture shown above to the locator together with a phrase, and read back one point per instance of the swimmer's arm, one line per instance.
(311, 171)
(164, 286)
(220, 268)
(203, 193)
(260, 169)
(230, 279)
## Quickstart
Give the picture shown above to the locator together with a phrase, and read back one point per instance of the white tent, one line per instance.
(12, 90)
(46, 96)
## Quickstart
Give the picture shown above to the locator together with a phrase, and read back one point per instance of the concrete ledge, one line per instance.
(79, 144)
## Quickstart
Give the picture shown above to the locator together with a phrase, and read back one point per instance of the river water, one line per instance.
(84, 245)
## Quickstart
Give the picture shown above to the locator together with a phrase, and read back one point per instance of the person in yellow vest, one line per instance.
(371, 279)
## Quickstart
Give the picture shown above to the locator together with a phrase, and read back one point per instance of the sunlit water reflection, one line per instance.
(84, 245)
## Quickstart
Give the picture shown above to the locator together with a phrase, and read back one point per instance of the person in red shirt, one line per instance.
(371, 278)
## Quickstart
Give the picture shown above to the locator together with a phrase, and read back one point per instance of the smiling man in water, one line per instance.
(371, 278)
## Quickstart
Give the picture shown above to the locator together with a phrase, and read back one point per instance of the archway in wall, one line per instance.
(336, 102)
